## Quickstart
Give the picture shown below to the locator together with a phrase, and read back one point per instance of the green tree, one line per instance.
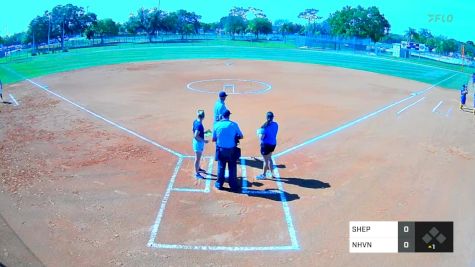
(359, 22)
(102, 28)
(132, 25)
(238, 12)
(311, 16)
(15, 39)
(187, 22)
(277, 25)
(375, 24)
(412, 35)
(450, 46)
(260, 25)
(149, 21)
(169, 23)
(323, 28)
(290, 28)
(258, 13)
(38, 31)
(470, 49)
(233, 25)
(209, 27)
(69, 20)
(424, 36)
(392, 38)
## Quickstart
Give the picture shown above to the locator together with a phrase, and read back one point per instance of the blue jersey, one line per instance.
(270, 133)
(464, 91)
(219, 109)
(197, 125)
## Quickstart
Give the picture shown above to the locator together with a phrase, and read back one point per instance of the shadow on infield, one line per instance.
(259, 164)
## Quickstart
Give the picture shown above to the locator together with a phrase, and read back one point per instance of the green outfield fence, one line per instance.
(353, 53)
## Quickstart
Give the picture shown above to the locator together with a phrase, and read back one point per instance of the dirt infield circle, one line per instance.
(230, 86)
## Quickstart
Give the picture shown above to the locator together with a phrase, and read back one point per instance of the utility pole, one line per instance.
(49, 29)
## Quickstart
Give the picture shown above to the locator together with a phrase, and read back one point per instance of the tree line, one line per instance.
(64, 21)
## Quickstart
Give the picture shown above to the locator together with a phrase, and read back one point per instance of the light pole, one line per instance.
(49, 29)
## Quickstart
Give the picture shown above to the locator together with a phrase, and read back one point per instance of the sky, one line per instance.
(401, 14)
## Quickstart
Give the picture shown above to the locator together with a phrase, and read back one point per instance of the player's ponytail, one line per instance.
(270, 118)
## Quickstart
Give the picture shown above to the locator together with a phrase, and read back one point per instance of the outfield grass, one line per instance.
(416, 69)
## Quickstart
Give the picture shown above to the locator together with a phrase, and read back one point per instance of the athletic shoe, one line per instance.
(218, 186)
(199, 176)
(261, 177)
(461, 107)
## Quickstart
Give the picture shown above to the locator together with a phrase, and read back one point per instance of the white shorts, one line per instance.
(198, 146)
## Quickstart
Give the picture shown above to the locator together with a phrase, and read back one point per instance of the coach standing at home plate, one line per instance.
(220, 106)
(219, 109)
(226, 134)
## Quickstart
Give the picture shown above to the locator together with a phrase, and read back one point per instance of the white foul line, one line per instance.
(359, 120)
(107, 120)
(413, 104)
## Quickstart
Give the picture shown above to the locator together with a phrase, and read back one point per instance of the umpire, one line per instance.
(226, 134)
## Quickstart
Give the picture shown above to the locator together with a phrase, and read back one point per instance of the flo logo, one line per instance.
(435, 18)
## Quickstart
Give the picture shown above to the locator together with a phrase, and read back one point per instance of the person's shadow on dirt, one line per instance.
(7, 102)
(304, 182)
(276, 196)
(258, 164)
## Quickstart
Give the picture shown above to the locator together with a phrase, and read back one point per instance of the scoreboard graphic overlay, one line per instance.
(400, 236)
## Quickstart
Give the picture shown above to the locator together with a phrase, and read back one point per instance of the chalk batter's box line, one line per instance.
(155, 227)
(166, 197)
(207, 183)
(287, 216)
(14, 100)
(245, 187)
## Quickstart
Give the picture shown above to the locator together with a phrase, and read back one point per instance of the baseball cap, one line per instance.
(270, 114)
(222, 94)
(226, 113)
